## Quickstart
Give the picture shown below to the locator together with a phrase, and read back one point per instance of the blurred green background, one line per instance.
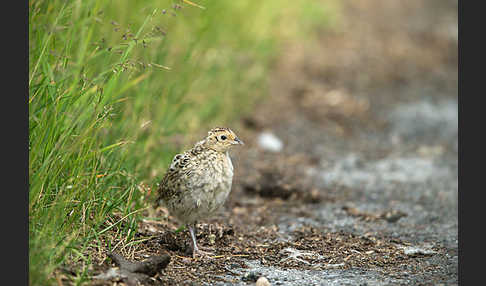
(112, 82)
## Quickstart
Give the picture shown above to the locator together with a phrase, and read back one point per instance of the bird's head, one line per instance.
(221, 139)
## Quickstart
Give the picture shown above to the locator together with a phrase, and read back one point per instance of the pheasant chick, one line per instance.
(199, 180)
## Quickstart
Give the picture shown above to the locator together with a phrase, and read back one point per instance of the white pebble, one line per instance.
(262, 281)
(413, 250)
(268, 141)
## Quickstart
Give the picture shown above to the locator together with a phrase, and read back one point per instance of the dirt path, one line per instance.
(364, 190)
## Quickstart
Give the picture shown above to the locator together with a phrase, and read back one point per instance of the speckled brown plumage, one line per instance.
(199, 180)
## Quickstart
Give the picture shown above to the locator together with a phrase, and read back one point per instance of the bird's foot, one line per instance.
(206, 248)
(201, 253)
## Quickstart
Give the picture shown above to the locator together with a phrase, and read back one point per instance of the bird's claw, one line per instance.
(200, 253)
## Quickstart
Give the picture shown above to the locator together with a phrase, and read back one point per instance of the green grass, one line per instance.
(111, 81)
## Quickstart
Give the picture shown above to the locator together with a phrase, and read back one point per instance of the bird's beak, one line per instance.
(238, 141)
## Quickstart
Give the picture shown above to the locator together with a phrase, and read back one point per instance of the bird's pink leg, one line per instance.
(195, 250)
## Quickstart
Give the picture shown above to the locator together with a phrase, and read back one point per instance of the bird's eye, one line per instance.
(223, 137)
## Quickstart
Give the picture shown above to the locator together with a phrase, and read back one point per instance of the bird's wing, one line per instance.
(170, 183)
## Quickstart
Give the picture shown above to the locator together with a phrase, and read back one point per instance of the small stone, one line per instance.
(212, 239)
(268, 141)
(251, 277)
(413, 251)
(262, 281)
